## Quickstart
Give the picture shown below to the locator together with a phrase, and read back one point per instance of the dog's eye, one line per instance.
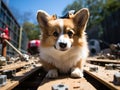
(56, 34)
(70, 34)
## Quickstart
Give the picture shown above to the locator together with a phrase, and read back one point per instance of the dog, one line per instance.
(64, 45)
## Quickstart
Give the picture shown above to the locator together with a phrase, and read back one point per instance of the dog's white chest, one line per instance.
(63, 60)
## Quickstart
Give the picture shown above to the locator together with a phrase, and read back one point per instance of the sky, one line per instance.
(50, 6)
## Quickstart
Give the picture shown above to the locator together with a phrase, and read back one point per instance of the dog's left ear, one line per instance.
(43, 18)
(81, 18)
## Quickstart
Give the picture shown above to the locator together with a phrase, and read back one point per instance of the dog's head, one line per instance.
(63, 33)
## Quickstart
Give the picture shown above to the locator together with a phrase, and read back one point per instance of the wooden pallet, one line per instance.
(20, 77)
(104, 76)
(71, 83)
(14, 66)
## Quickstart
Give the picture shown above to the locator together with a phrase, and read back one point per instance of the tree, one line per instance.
(32, 30)
(75, 6)
(110, 7)
(99, 9)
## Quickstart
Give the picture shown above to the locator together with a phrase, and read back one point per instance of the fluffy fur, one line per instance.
(63, 44)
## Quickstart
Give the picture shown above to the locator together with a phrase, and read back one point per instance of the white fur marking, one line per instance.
(63, 60)
(61, 38)
(61, 23)
(76, 72)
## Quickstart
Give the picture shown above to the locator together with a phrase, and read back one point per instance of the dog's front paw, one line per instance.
(52, 73)
(76, 73)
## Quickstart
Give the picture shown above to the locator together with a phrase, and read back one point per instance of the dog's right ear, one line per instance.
(42, 18)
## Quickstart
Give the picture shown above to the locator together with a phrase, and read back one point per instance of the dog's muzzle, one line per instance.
(61, 46)
(63, 43)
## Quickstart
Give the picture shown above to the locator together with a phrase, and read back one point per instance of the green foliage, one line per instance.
(31, 30)
(75, 6)
(111, 6)
(99, 9)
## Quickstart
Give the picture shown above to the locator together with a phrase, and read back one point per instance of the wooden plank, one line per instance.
(73, 84)
(104, 76)
(14, 66)
(103, 60)
(20, 77)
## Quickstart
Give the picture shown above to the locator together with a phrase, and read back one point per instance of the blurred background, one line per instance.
(103, 27)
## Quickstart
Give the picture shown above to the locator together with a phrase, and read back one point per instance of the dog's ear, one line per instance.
(81, 18)
(42, 18)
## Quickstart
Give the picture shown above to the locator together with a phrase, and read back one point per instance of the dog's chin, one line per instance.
(61, 49)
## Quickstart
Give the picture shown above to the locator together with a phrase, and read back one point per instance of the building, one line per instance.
(7, 18)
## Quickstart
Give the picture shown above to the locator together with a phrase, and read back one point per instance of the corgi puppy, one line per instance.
(63, 45)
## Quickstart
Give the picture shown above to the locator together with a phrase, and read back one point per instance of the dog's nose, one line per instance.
(62, 45)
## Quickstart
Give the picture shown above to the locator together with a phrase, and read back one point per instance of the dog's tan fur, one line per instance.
(72, 59)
